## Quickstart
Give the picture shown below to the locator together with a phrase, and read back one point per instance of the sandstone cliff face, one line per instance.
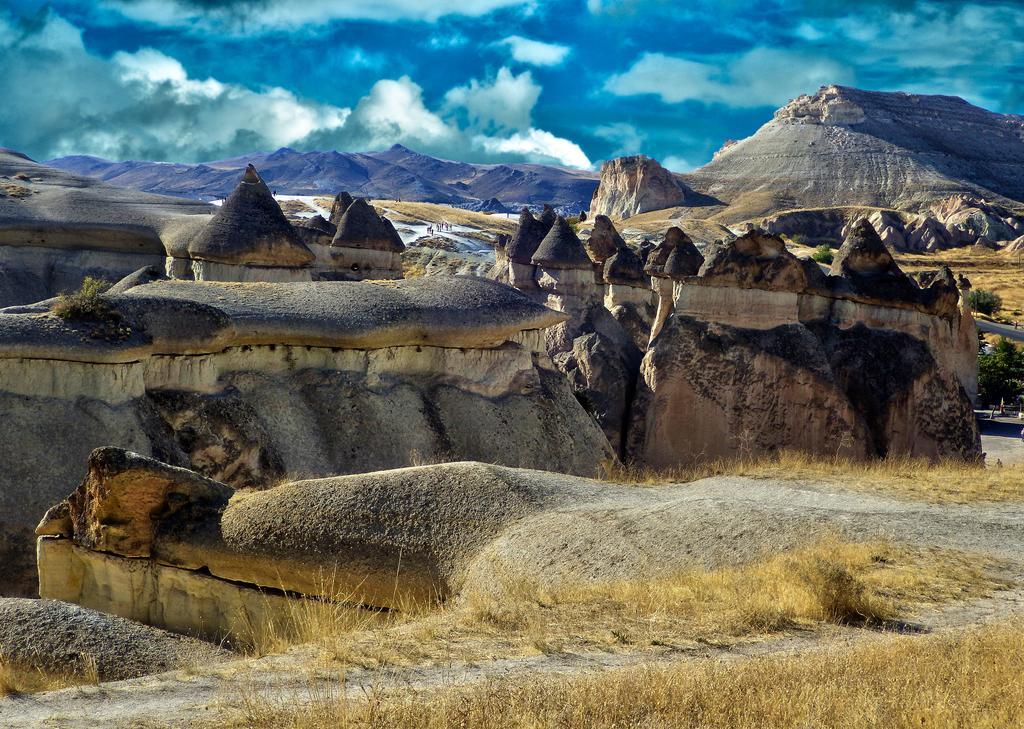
(633, 185)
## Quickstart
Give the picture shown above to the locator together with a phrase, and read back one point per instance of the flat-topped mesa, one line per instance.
(520, 250)
(248, 239)
(316, 231)
(604, 240)
(564, 270)
(366, 245)
(341, 203)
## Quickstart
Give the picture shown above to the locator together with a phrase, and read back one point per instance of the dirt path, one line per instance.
(183, 699)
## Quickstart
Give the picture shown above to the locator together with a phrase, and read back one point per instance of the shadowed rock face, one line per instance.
(316, 230)
(754, 260)
(250, 229)
(658, 257)
(342, 202)
(527, 238)
(868, 266)
(361, 227)
(604, 240)
(625, 267)
(684, 260)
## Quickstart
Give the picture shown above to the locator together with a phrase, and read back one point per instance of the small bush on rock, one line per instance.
(86, 304)
(822, 254)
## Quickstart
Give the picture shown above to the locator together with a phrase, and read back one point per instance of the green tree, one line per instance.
(985, 301)
(1001, 372)
(822, 254)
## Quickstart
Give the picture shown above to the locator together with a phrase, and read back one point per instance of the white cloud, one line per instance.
(759, 77)
(674, 163)
(504, 102)
(249, 16)
(145, 105)
(537, 145)
(535, 53)
(629, 139)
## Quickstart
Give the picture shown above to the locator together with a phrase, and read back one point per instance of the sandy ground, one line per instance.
(183, 699)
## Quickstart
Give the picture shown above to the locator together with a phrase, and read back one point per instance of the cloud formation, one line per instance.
(759, 77)
(254, 16)
(535, 53)
(144, 105)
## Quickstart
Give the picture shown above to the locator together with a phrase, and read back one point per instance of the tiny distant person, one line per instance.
(1022, 435)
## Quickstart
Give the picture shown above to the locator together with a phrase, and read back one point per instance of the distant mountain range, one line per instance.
(398, 172)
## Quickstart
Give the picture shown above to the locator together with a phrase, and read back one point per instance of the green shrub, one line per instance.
(86, 304)
(985, 301)
(823, 254)
(1001, 372)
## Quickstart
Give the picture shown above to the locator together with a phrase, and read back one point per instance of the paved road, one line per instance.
(1001, 329)
(1001, 441)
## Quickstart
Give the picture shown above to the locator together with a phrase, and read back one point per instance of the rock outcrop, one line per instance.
(416, 536)
(341, 203)
(62, 227)
(604, 240)
(633, 185)
(316, 231)
(249, 239)
(249, 383)
(365, 246)
(766, 352)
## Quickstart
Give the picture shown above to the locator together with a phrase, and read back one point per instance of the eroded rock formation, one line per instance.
(766, 352)
(249, 382)
(633, 185)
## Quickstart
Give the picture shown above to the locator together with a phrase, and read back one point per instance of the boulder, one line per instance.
(316, 231)
(753, 260)
(684, 260)
(869, 268)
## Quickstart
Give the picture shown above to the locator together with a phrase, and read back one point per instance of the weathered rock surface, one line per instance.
(844, 146)
(65, 227)
(765, 352)
(604, 240)
(251, 382)
(66, 639)
(633, 185)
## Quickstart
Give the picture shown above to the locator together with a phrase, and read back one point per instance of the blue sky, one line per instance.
(564, 81)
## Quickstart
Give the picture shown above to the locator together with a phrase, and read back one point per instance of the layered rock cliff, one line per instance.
(633, 185)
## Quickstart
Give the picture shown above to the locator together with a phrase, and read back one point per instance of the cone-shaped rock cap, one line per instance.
(548, 216)
(250, 228)
(561, 248)
(604, 240)
(658, 257)
(317, 222)
(684, 260)
(527, 239)
(863, 253)
(342, 201)
(362, 227)
(625, 267)
(869, 269)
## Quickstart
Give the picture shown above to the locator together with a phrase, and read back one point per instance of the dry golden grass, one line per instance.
(16, 680)
(969, 678)
(12, 189)
(956, 482)
(413, 212)
(998, 272)
(828, 582)
(294, 207)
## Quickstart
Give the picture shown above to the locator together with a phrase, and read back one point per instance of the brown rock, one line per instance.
(361, 227)
(604, 240)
